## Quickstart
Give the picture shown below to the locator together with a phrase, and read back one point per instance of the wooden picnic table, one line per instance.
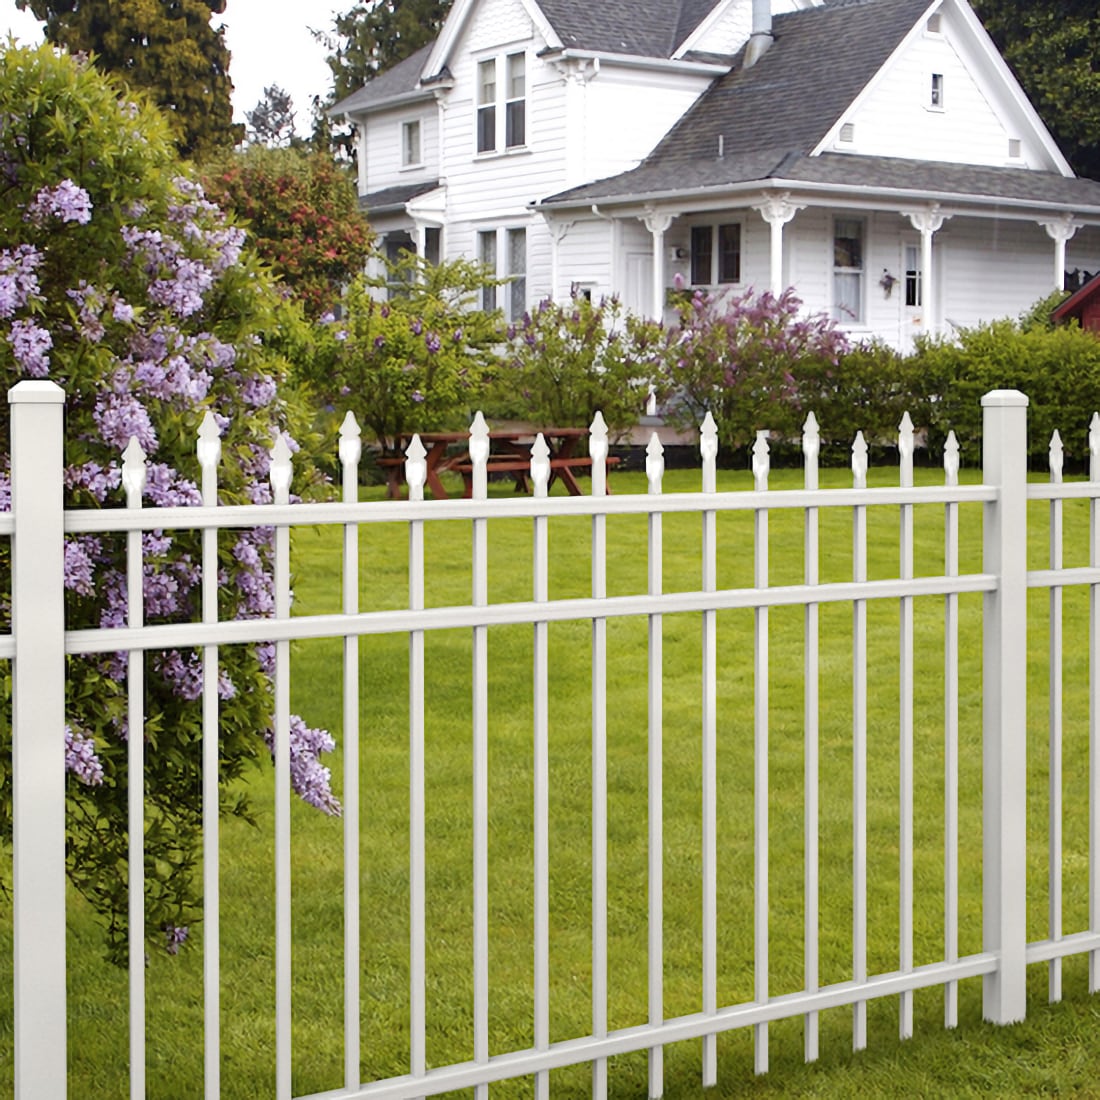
(510, 452)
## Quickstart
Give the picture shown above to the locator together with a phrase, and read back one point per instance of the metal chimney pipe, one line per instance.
(761, 37)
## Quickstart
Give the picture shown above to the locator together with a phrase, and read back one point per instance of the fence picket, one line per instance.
(761, 465)
(133, 481)
(905, 721)
(350, 451)
(540, 476)
(280, 476)
(208, 451)
(597, 450)
(479, 457)
(416, 474)
(1054, 966)
(859, 747)
(1094, 703)
(655, 471)
(951, 736)
(811, 449)
(708, 446)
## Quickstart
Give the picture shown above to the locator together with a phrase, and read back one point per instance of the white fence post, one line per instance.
(38, 738)
(1004, 731)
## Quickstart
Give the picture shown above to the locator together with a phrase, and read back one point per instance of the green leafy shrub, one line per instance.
(123, 283)
(414, 361)
(563, 363)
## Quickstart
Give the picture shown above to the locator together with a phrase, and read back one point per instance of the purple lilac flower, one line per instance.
(175, 938)
(122, 312)
(183, 294)
(67, 201)
(416, 325)
(182, 674)
(5, 491)
(118, 416)
(96, 479)
(259, 391)
(80, 562)
(432, 342)
(417, 396)
(18, 278)
(80, 757)
(310, 779)
(31, 346)
(265, 657)
(165, 488)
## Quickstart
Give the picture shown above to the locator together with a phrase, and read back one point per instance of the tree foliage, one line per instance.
(1051, 45)
(303, 217)
(166, 48)
(375, 35)
(271, 121)
(123, 283)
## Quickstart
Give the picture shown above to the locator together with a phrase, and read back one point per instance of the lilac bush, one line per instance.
(123, 283)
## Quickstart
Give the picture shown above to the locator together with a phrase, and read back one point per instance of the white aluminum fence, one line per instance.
(38, 645)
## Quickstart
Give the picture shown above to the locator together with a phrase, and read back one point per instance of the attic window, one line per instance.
(1014, 148)
(936, 100)
(935, 23)
(848, 132)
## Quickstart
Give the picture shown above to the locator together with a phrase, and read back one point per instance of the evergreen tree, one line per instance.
(1052, 46)
(166, 48)
(375, 35)
(271, 121)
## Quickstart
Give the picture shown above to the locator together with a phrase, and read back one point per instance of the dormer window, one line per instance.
(936, 98)
(1015, 149)
(935, 23)
(848, 133)
(410, 144)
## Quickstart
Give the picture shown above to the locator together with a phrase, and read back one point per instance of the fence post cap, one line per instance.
(38, 392)
(1004, 399)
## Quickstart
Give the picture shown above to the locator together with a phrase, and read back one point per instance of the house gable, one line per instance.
(945, 95)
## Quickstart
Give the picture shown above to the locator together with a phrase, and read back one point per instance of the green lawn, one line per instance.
(1054, 1051)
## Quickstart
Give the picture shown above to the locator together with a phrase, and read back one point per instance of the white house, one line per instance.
(878, 155)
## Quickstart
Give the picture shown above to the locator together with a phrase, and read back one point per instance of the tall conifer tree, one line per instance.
(166, 48)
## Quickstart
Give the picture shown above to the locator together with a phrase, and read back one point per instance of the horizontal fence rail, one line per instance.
(37, 645)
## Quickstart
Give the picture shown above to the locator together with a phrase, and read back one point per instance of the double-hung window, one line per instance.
(487, 254)
(848, 270)
(502, 105)
(715, 254)
(410, 144)
(504, 255)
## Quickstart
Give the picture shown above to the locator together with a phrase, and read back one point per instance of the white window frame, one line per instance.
(408, 127)
(494, 251)
(715, 253)
(936, 92)
(503, 107)
(857, 318)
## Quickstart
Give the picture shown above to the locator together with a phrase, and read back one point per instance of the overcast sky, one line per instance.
(269, 40)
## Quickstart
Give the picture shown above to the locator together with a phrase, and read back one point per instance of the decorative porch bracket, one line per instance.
(658, 222)
(1061, 230)
(927, 223)
(777, 211)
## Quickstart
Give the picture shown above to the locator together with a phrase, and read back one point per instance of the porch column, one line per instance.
(927, 223)
(420, 242)
(777, 210)
(657, 222)
(1060, 231)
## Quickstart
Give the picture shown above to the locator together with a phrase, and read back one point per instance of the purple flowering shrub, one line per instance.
(404, 362)
(566, 362)
(742, 357)
(120, 281)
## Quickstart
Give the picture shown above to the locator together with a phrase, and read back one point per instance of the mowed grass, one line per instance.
(1054, 1051)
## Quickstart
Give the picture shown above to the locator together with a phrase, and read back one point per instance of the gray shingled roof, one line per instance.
(402, 80)
(771, 116)
(389, 199)
(645, 28)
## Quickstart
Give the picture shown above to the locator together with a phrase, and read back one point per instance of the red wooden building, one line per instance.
(1083, 304)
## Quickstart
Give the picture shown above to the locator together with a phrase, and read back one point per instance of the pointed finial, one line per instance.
(351, 442)
(905, 450)
(1057, 457)
(951, 459)
(209, 447)
(811, 437)
(540, 465)
(761, 460)
(708, 449)
(859, 461)
(416, 468)
(479, 440)
(133, 472)
(281, 471)
(654, 463)
(1094, 448)
(597, 438)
